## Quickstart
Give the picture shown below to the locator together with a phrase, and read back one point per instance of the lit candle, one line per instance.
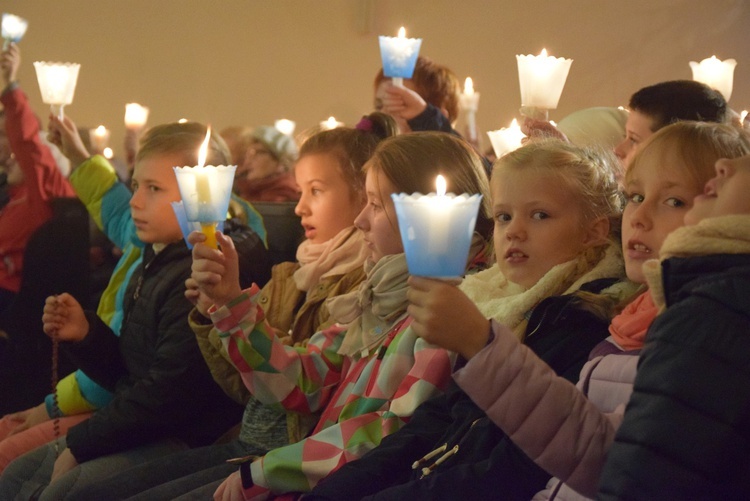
(506, 139)
(542, 79)
(716, 74)
(205, 191)
(743, 116)
(285, 126)
(436, 230)
(136, 115)
(14, 28)
(469, 102)
(399, 55)
(331, 123)
(57, 83)
(99, 138)
(108, 153)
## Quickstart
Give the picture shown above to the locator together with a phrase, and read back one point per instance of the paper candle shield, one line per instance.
(436, 232)
(717, 74)
(399, 55)
(57, 83)
(186, 226)
(14, 27)
(542, 79)
(205, 191)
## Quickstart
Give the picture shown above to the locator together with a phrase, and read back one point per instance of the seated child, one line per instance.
(556, 211)
(366, 374)
(154, 368)
(685, 430)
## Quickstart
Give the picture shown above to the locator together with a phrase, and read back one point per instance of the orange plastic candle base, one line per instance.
(209, 229)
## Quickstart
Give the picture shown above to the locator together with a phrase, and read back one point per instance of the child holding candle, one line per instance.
(163, 397)
(564, 429)
(684, 433)
(368, 373)
(556, 207)
(330, 260)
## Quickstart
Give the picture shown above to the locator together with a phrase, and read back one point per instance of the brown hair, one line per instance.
(411, 162)
(352, 146)
(184, 139)
(437, 85)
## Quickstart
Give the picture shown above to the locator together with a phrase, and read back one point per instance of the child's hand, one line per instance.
(64, 317)
(402, 102)
(64, 134)
(445, 316)
(216, 272)
(230, 489)
(193, 294)
(9, 63)
(540, 129)
(63, 464)
(29, 418)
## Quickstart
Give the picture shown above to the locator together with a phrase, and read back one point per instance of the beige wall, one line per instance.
(251, 61)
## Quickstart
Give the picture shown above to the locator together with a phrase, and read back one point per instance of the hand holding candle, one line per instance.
(205, 192)
(399, 55)
(436, 230)
(542, 79)
(716, 74)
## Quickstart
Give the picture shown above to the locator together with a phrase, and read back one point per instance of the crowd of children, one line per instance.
(595, 347)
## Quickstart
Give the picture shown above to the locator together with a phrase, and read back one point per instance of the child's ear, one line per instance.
(597, 232)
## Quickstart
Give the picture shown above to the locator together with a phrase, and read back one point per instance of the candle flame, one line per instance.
(203, 150)
(514, 124)
(108, 153)
(543, 53)
(331, 123)
(101, 131)
(402, 32)
(743, 115)
(440, 186)
(469, 86)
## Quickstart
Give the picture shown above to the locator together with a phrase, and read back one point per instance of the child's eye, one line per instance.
(675, 202)
(539, 215)
(153, 189)
(502, 217)
(634, 198)
(316, 191)
(134, 186)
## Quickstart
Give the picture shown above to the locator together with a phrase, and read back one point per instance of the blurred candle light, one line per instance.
(14, 28)
(57, 83)
(136, 115)
(205, 191)
(285, 126)
(743, 116)
(399, 56)
(506, 139)
(99, 138)
(717, 74)
(469, 103)
(331, 123)
(108, 153)
(541, 79)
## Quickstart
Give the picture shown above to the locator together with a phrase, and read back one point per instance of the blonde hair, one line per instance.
(590, 173)
(696, 145)
(411, 162)
(183, 139)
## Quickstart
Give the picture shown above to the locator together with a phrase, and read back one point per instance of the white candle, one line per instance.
(136, 115)
(439, 242)
(542, 79)
(99, 138)
(57, 83)
(469, 102)
(285, 126)
(716, 74)
(331, 123)
(506, 139)
(399, 55)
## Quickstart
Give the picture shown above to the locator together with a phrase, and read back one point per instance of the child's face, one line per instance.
(378, 219)
(725, 194)
(327, 204)
(659, 195)
(154, 188)
(537, 225)
(637, 129)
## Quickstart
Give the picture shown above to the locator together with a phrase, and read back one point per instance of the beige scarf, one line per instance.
(370, 312)
(508, 303)
(716, 235)
(340, 255)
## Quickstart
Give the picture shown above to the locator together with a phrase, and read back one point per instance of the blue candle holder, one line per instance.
(399, 56)
(436, 232)
(187, 227)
